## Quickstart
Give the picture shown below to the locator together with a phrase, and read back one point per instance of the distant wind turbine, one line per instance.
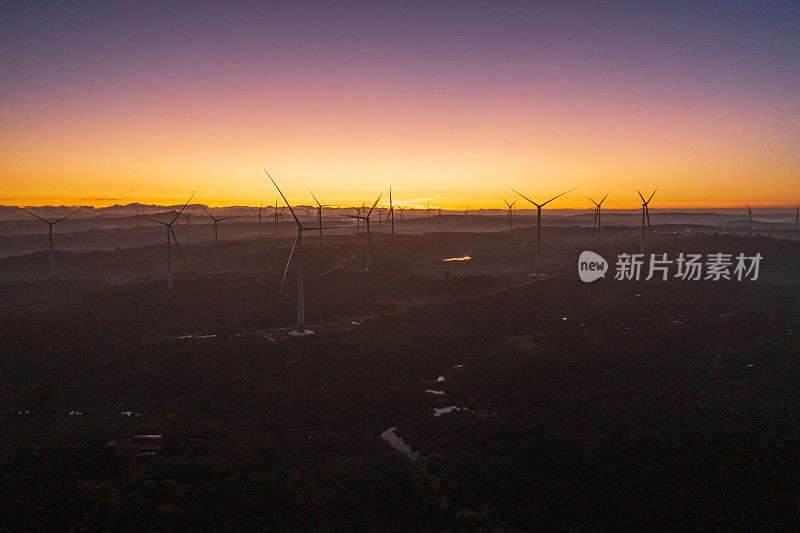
(750, 221)
(391, 208)
(168, 228)
(216, 234)
(319, 214)
(298, 245)
(510, 207)
(646, 213)
(277, 215)
(50, 228)
(365, 218)
(539, 220)
(797, 218)
(186, 217)
(260, 205)
(598, 206)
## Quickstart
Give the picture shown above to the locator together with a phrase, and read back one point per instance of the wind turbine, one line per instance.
(260, 205)
(539, 220)
(216, 235)
(50, 228)
(750, 221)
(186, 217)
(391, 208)
(510, 207)
(466, 218)
(168, 227)
(797, 218)
(277, 215)
(597, 214)
(298, 244)
(136, 218)
(365, 218)
(319, 214)
(646, 213)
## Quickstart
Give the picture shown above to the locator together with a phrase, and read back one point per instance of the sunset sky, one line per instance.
(117, 102)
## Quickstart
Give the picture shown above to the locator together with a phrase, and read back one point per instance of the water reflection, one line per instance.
(444, 410)
(398, 443)
(462, 258)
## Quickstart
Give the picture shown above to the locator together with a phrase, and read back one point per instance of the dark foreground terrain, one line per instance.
(580, 406)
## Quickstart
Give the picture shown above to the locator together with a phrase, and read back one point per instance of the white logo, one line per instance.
(591, 266)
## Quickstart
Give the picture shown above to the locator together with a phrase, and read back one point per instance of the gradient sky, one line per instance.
(116, 102)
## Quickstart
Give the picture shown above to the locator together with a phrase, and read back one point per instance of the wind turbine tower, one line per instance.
(260, 204)
(391, 208)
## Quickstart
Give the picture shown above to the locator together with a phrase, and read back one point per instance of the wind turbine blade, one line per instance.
(647, 212)
(177, 243)
(641, 196)
(207, 211)
(297, 220)
(285, 270)
(554, 197)
(33, 215)
(595, 214)
(519, 193)
(595, 203)
(506, 202)
(226, 218)
(314, 197)
(378, 199)
(62, 218)
(651, 196)
(512, 203)
(154, 220)
(603, 200)
(182, 208)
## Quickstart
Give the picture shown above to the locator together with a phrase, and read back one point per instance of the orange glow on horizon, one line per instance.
(352, 131)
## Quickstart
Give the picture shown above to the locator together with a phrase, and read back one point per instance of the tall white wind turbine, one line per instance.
(298, 245)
